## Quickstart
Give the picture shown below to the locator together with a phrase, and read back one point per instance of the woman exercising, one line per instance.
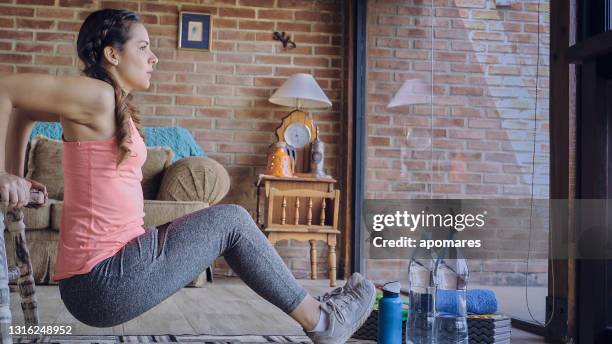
(110, 269)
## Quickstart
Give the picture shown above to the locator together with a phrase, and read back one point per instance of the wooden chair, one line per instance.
(302, 214)
(22, 273)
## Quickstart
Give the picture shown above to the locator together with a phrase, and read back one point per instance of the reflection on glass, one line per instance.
(457, 108)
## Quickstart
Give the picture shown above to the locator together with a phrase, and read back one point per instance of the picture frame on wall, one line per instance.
(194, 31)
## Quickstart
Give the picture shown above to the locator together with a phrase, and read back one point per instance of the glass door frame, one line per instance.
(359, 95)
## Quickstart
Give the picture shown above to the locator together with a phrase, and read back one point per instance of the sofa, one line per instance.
(171, 189)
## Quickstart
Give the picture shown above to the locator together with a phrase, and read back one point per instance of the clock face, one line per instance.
(298, 135)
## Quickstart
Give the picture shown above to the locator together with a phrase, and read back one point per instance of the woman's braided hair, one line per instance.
(102, 28)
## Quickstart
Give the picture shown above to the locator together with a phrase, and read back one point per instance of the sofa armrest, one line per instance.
(194, 179)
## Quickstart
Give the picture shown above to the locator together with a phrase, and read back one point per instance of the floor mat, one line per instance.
(171, 339)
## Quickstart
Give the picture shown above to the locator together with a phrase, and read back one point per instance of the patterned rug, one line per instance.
(172, 339)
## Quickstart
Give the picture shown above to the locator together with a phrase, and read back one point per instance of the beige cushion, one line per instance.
(158, 159)
(45, 166)
(156, 212)
(195, 179)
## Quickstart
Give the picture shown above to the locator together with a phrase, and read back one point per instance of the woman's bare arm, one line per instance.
(78, 99)
(75, 98)
(19, 129)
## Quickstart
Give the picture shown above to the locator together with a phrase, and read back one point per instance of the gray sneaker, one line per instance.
(354, 280)
(347, 309)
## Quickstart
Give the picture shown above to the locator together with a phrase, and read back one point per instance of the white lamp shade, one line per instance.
(301, 91)
(412, 91)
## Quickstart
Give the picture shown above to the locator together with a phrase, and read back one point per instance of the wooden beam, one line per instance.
(346, 222)
(592, 184)
(562, 99)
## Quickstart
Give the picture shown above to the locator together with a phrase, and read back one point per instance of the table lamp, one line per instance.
(297, 129)
(302, 92)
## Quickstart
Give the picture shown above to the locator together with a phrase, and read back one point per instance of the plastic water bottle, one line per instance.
(419, 325)
(390, 315)
(451, 276)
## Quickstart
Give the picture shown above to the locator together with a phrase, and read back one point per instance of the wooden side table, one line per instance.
(303, 208)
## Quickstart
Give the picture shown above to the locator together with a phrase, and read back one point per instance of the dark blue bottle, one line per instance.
(390, 315)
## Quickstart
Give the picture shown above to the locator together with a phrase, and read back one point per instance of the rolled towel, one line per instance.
(479, 301)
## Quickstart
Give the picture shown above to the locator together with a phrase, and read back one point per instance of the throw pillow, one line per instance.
(195, 179)
(158, 159)
(45, 165)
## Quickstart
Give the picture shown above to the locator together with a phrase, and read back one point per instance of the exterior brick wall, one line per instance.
(484, 95)
(221, 95)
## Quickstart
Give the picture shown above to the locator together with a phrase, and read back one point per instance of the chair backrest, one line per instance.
(303, 210)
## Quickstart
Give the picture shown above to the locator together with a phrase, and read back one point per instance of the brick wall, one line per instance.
(484, 83)
(221, 95)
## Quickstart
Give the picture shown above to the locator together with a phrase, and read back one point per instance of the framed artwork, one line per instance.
(194, 31)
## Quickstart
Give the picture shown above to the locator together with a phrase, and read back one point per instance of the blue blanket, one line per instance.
(177, 138)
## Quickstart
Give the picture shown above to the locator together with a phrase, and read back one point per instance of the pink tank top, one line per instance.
(103, 206)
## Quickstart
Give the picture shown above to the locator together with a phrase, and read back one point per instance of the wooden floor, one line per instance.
(225, 307)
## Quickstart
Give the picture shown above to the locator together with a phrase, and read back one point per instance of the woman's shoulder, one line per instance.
(102, 88)
(99, 94)
(74, 97)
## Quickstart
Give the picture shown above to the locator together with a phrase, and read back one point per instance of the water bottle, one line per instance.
(451, 276)
(419, 325)
(390, 315)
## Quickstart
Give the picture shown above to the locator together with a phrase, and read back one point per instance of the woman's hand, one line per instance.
(38, 186)
(15, 191)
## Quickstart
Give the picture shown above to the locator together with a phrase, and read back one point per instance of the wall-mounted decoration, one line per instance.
(194, 31)
(286, 40)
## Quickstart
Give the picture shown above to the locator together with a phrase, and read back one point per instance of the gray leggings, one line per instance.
(153, 266)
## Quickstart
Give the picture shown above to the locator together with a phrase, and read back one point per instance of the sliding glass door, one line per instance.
(455, 107)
